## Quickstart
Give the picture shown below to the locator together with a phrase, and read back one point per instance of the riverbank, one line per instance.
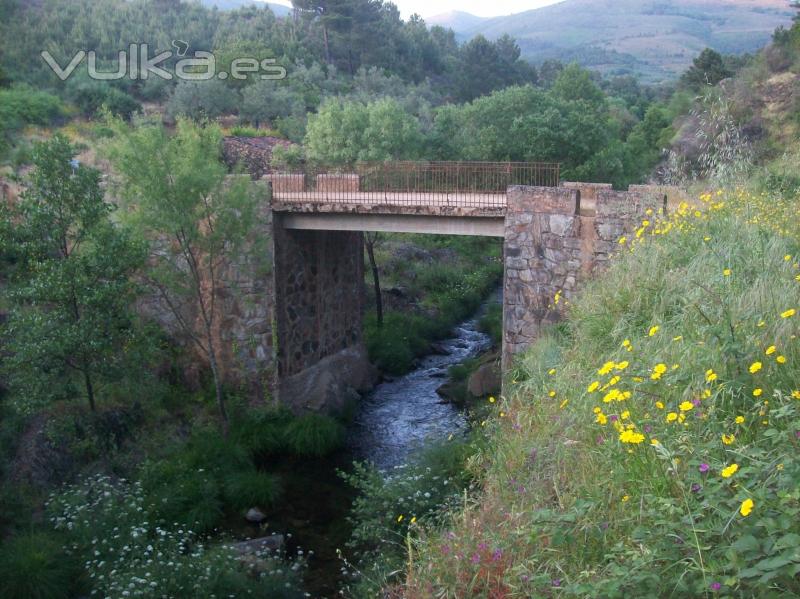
(648, 446)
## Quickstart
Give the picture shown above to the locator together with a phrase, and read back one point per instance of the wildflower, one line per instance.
(655, 442)
(601, 419)
(711, 376)
(781, 359)
(678, 338)
(400, 518)
(492, 399)
(654, 329)
(703, 468)
(706, 393)
(551, 393)
(787, 257)
(788, 313)
(672, 417)
(746, 507)
(622, 240)
(796, 394)
(612, 395)
(686, 406)
(629, 436)
(660, 405)
(551, 372)
(622, 365)
(625, 498)
(755, 367)
(715, 586)
(593, 387)
(728, 439)
(727, 272)
(606, 368)
(413, 519)
(770, 350)
(729, 471)
(757, 392)
(658, 371)
(739, 419)
(627, 345)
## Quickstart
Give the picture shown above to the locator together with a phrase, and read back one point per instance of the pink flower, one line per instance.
(703, 468)
(715, 586)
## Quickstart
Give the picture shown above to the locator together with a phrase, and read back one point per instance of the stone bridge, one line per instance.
(302, 324)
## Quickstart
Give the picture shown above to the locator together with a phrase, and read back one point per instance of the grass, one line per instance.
(33, 566)
(685, 487)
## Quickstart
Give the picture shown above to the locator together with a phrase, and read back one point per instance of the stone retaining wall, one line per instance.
(550, 247)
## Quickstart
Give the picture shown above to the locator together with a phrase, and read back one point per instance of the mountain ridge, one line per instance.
(654, 39)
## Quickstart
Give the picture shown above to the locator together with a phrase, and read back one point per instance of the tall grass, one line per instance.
(611, 471)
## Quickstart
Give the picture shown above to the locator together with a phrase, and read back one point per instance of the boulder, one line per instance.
(255, 515)
(486, 380)
(270, 543)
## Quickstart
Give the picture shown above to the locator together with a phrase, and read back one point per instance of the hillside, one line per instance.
(652, 38)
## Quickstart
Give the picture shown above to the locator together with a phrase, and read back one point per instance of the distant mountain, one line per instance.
(280, 10)
(457, 20)
(655, 39)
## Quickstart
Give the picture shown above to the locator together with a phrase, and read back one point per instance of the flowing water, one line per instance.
(396, 418)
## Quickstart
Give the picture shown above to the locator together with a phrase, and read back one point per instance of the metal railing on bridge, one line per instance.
(460, 184)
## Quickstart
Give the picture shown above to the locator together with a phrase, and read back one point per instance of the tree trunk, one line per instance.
(87, 381)
(327, 47)
(223, 412)
(376, 281)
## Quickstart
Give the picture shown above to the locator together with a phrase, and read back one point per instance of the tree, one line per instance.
(347, 132)
(194, 220)
(370, 239)
(708, 68)
(202, 99)
(71, 289)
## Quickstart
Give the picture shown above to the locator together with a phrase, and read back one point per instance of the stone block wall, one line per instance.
(319, 304)
(286, 181)
(551, 247)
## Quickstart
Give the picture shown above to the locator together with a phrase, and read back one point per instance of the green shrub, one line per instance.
(314, 435)
(262, 433)
(248, 488)
(35, 566)
(491, 323)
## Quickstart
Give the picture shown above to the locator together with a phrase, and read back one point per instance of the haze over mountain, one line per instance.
(280, 10)
(655, 39)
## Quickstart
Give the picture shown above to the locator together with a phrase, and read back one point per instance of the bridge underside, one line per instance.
(397, 223)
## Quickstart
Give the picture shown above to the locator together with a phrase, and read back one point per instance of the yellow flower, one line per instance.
(655, 442)
(622, 365)
(660, 405)
(563, 404)
(606, 368)
(601, 418)
(658, 370)
(629, 436)
(729, 471)
(625, 415)
(672, 417)
(727, 272)
(612, 395)
(551, 393)
(593, 387)
(796, 394)
(746, 507)
(627, 345)
(755, 367)
(770, 350)
(739, 419)
(413, 519)
(400, 518)
(787, 257)
(686, 406)
(492, 399)
(653, 330)
(757, 392)
(788, 313)
(678, 338)
(706, 393)
(728, 439)
(781, 359)
(622, 240)
(711, 376)
(625, 498)
(551, 372)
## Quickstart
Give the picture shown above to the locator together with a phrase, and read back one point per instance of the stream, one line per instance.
(394, 420)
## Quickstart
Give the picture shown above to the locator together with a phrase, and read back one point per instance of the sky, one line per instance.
(481, 8)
